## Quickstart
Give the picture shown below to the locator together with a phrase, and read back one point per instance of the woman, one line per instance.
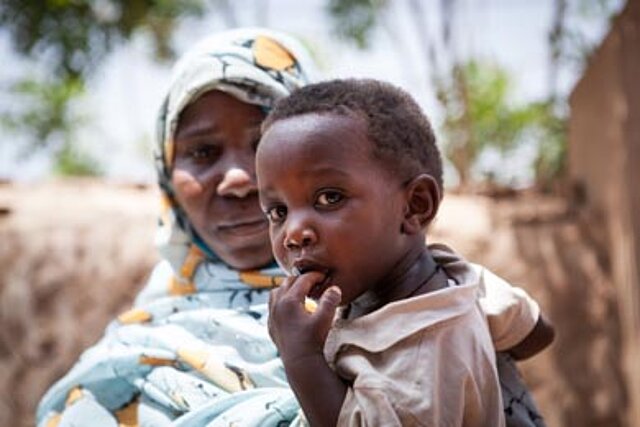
(195, 347)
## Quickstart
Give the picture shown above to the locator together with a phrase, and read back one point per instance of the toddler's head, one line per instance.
(349, 176)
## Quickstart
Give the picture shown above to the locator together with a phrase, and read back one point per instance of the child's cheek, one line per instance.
(185, 184)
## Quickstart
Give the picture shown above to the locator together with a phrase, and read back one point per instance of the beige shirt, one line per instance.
(423, 361)
(511, 313)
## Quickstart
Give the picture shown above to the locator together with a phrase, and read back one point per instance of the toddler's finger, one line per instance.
(274, 296)
(304, 283)
(287, 282)
(327, 305)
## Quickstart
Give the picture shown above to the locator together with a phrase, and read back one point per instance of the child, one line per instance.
(350, 177)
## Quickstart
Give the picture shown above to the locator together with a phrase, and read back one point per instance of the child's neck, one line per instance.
(420, 276)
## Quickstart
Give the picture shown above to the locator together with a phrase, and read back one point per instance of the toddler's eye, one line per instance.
(276, 213)
(329, 198)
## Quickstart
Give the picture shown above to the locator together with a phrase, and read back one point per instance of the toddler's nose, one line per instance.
(299, 237)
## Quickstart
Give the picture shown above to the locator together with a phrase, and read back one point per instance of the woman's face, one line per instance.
(214, 178)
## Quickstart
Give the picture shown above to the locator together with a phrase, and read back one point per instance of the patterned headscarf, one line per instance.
(256, 66)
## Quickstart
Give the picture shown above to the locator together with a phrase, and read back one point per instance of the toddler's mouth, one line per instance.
(316, 291)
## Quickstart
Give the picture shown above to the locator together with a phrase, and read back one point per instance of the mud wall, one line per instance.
(72, 256)
(604, 166)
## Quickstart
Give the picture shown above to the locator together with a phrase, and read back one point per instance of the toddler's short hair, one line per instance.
(400, 132)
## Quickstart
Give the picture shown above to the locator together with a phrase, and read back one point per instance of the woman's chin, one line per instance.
(247, 258)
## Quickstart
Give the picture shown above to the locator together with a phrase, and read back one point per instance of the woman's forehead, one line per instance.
(212, 109)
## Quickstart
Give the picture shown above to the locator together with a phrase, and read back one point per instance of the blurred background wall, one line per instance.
(604, 167)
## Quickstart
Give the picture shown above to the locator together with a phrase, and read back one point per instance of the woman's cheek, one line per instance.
(185, 184)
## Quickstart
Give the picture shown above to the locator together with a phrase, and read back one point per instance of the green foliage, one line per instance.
(551, 138)
(45, 109)
(71, 37)
(49, 123)
(355, 19)
(478, 114)
(475, 96)
(72, 162)
(78, 33)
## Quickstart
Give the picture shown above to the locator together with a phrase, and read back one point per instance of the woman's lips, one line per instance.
(244, 227)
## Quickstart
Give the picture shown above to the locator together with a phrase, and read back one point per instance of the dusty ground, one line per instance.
(74, 253)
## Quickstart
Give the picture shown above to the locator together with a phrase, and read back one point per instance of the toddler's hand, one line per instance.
(296, 332)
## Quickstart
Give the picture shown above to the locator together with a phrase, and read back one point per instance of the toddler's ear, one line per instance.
(423, 200)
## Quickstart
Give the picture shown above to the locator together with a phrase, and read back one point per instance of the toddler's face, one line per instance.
(331, 206)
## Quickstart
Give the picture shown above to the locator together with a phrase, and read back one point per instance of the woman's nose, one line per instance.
(236, 182)
(299, 236)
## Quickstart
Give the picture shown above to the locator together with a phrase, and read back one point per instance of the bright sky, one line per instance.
(124, 96)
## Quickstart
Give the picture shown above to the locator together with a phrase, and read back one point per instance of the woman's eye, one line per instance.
(205, 152)
(276, 213)
(329, 198)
